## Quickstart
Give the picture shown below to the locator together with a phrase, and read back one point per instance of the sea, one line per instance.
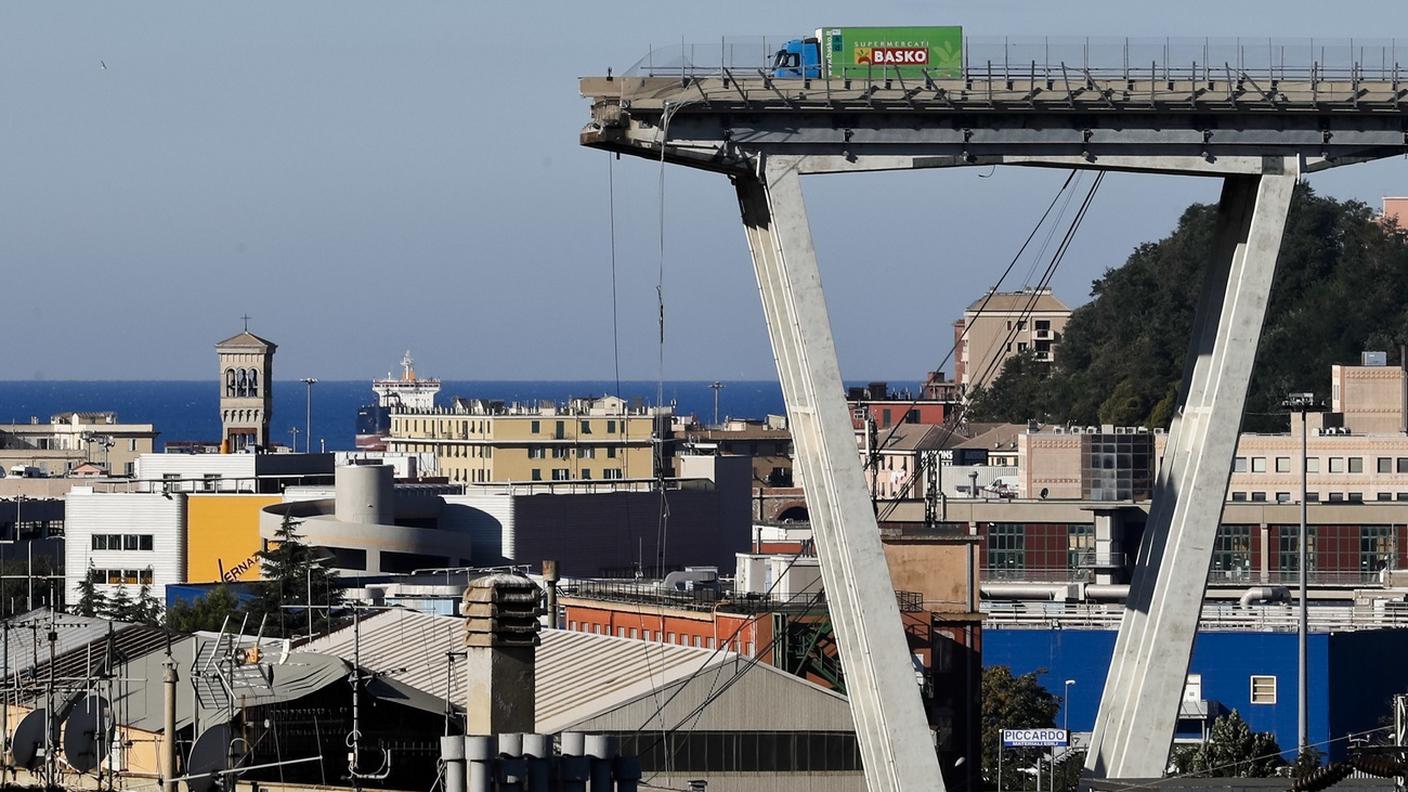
(188, 410)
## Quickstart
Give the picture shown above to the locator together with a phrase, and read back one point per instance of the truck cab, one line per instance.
(798, 59)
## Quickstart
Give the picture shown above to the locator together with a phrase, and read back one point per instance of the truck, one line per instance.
(859, 53)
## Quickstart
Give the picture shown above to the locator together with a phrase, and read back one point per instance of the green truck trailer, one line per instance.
(861, 52)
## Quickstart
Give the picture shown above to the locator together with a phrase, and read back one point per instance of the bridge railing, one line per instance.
(1064, 58)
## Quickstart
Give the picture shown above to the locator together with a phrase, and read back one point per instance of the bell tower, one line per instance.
(246, 390)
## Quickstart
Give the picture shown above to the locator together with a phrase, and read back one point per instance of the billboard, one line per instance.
(908, 52)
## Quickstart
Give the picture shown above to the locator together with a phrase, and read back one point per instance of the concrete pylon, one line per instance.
(895, 743)
(1140, 704)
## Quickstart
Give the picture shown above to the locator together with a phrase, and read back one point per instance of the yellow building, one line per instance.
(477, 441)
(222, 536)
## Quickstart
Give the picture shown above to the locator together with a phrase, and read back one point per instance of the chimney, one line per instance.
(550, 577)
(501, 637)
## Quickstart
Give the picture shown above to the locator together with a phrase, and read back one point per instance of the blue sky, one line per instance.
(366, 177)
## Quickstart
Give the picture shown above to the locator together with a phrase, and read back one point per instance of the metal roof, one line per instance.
(26, 643)
(579, 675)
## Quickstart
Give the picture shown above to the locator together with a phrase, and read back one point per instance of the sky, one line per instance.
(362, 178)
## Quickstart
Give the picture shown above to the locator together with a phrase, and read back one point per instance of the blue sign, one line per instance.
(1035, 738)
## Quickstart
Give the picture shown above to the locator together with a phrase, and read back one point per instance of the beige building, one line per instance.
(1003, 324)
(1370, 398)
(477, 441)
(72, 439)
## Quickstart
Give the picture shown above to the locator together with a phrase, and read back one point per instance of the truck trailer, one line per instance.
(873, 52)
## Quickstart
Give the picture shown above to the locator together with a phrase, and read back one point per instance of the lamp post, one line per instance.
(308, 432)
(1066, 708)
(1302, 403)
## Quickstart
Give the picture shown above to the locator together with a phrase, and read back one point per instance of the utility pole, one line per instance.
(1302, 403)
(308, 432)
(716, 387)
(294, 431)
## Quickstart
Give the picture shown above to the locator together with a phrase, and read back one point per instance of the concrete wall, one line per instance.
(942, 569)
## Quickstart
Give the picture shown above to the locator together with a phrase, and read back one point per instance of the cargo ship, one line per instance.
(409, 391)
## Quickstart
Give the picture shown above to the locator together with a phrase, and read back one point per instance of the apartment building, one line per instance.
(479, 441)
(71, 439)
(1003, 324)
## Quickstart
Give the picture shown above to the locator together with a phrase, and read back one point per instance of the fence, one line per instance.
(1266, 618)
(1052, 59)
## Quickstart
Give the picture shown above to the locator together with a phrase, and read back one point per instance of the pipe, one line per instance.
(479, 752)
(550, 578)
(1257, 594)
(537, 749)
(452, 756)
(1107, 591)
(1025, 591)
(574, 768)
(168, 726)
(602, 750)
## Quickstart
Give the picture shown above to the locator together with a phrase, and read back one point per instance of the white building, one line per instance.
(128, 538)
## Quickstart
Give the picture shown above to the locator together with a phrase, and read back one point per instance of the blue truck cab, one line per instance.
(798, 59)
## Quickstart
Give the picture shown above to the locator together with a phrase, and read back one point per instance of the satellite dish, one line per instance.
(27, 746)
(216, 749)
(88, 733)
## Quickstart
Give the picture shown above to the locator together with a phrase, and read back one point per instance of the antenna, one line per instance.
(213, 754)
(88, 733)
(28, 743)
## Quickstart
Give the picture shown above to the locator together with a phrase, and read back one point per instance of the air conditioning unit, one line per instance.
(1060, 430)
(1158, 430)
(1092, 430)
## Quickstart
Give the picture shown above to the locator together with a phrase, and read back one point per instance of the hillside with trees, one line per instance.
(1341, 287)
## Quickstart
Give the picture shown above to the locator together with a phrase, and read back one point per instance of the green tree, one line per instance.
(205, 613)
(120, 606)
(91, 601)
(1232, 749)
(1013, 702)
(1121, 356)
(1306, 761)
(146, 609)
(290, 569)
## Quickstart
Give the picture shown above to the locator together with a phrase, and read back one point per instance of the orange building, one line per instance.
(222, 536)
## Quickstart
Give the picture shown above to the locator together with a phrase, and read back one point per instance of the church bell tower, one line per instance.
(246, 390)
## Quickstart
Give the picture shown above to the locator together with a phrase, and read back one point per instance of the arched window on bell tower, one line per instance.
(229, 382)
(254, 382)
(243, 389)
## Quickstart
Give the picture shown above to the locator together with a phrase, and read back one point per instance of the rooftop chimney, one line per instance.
(501, 639)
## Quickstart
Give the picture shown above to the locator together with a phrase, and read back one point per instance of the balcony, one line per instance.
(1043, 335)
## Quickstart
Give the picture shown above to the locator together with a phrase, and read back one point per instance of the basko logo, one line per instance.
(892, 56)
(1014, 738)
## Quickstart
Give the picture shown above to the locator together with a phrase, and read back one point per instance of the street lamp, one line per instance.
(308, 433)
(1066, 708)
(1302, 403)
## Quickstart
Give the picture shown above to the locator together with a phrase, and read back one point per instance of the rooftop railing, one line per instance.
(1215, 617)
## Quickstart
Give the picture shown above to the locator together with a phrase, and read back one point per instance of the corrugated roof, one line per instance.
(579, 675)
(28, 643)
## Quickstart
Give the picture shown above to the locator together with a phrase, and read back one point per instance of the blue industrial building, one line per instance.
(1353, 676)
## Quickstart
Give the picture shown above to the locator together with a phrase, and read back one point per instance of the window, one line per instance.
(1312, 497)
(535, 427)
(586, 475)
(1403, 464)
(536, 452)
(1263, 690)
(611, 452)
(1239, 496)
(611, 426)
(560, 452)
(1336, 497)
(1356, 464)
(537, 474)
(1258, 464)
(587, 452)
(1283, 464)
(1383, 496)
(1043, 324)
(1283, 497)
(100, 542)
(1007, 544)
(131, 444)
(1239, 465)
(144, 542)
(1312, 464)
(210, 481)
(559, 431)
(561, 474)
(633, 632)
(1356, 497)
(885, 418)
(1385, 464)
(146, 576)
(1336, 464)
(611, 473)
(1232, 552)
(129, 542)
(1258, 497)
(586, 427)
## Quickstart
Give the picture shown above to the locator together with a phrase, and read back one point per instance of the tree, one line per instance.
(1121, 355)
(206, 613)
(290, 570)
(91, 601)
(1231, 749)
(120, 606)
(1013, 702)
(147, 609)
(1306, 761)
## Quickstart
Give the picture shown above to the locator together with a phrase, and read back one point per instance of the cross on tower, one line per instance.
(245, 317)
